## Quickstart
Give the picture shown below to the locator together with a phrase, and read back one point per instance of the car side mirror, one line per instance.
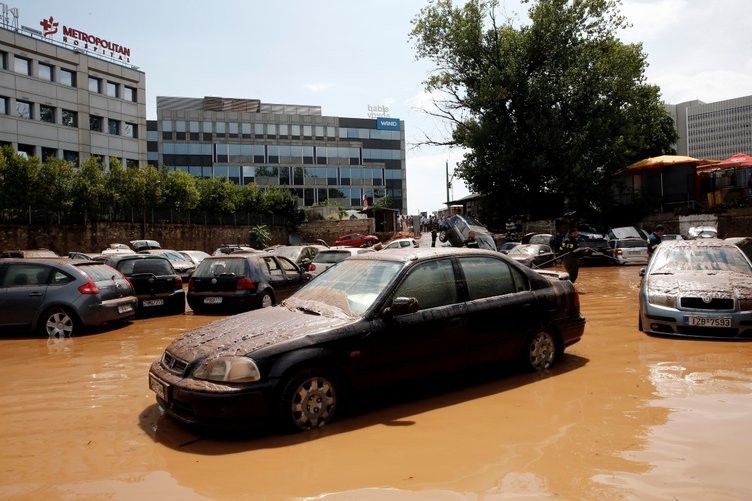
(402, 306)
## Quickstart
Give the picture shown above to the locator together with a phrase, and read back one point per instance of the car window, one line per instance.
(288, 266)
(432, 283)
(272, 266)
(487, 277)
(99, 272)
(217, 267)
(153, 266)
(20, 275)
(703, 259)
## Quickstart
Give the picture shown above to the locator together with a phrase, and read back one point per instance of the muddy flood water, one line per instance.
(624, 416)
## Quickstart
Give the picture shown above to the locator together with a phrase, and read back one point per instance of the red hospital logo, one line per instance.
(49, 26)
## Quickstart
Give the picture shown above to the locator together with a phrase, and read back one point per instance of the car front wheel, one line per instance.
(541, 351)
(57, 322)
(309, 400)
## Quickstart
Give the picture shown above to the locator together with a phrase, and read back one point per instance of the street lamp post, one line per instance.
(448, 184)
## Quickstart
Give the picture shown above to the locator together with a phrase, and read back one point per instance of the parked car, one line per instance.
(225, 249)
(85, 256)
(357, 240)
(141, 245)
(697, 288)
(702, 232)
(60, 296)
(744, 243)
(243, 281)
(401, 243)
(331, 256)
(302, 255)
(533, 255)
(195, 256)
(183, 266)
(628, 251)
(158, 286)
(116, 248)
(457, 228)
(28, 253)
(599, 253)
(374, 320)
(507, 246)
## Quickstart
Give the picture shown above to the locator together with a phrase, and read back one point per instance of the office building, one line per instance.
(69, 94)
(322, 159)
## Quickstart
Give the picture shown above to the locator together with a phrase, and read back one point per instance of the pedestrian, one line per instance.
(471, 242)
(571, 251)
(655, 239)
(434, 234)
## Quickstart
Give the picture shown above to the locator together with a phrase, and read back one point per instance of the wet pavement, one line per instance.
(623, 416)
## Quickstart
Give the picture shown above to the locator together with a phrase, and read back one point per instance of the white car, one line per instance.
(327, 258)
(401, 243)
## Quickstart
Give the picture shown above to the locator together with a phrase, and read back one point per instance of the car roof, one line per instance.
(407, 254)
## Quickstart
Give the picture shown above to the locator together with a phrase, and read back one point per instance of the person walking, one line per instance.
(471, 242)
(655, 239)
(570, 254)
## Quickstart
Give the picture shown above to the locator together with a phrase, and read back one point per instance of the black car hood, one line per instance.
(249, 332)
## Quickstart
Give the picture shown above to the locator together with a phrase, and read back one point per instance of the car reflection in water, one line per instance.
(373, 320)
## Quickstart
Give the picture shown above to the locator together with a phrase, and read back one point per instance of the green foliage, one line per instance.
(89, 187)
(280, 201)
(217, 195)
(259, 236)
(180, 190)
(552, 108)
(384, 202)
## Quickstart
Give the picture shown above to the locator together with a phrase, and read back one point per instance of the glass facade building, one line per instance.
(321, 159)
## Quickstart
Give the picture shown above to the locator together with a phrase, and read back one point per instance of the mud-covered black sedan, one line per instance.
(373, 320)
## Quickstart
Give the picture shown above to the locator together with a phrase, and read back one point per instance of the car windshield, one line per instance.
(524, 250)
(350, 287)
(676, 259)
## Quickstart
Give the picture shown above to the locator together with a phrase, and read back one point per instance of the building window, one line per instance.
(130, 130)
(70, 118)
(95, 123)
(22, 65)
(112, 89)
(47, 114)
(71, 156)
(44, 71)
(23, 109)
(95, 85)
(3, 105)
(113, 127)
(67, 77)
(131, 164)
(48, 153)
(3, 60)
(129, 93)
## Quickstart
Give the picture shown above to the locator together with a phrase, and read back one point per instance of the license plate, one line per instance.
(153, 302)
(710, 321)
(158, 388)
(212, 300)
(125, 308)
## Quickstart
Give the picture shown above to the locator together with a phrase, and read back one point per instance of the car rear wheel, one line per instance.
(265, 300)
(541, 351)
(58, 322)
(309, 400)
(442, 236)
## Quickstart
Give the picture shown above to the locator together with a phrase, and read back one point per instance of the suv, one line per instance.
(628, 245)
(59, 297)
(243, 281)
(457, 228)
(158, 287)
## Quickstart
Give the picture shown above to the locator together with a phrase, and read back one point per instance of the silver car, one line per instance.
(327, 258)
(59, 297)
(697, 288)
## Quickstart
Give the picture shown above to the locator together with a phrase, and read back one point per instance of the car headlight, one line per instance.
(228, 370)
(666, 300)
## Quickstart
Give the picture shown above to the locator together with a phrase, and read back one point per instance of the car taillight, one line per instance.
(245, 283)
(89, 288)
(619, 252)
(191, 284)
(576, 300)
(178, 282)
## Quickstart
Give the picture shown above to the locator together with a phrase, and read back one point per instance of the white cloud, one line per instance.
(318, 87)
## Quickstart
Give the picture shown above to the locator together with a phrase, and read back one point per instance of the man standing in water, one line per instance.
(570, 257)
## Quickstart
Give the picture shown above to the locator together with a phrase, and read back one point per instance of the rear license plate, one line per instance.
(153, 302)
(158, 388)
(212, 300)
(125, 308)
(710, 321)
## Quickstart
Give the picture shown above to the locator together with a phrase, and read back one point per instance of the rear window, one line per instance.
(217, 267)
(331, 257)
(99, 272)
(633, 242)
(153, 266)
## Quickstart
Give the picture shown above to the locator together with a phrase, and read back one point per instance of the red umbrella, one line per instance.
(732, 162)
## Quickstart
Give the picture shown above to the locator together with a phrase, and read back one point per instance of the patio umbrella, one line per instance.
(732, 162)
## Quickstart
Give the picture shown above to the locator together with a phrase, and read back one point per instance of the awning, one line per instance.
(732, 162)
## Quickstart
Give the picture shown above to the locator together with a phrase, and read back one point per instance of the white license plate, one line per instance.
(153, 302)
(125, 308)
(710, 321)
(212, 300)
(158, 388)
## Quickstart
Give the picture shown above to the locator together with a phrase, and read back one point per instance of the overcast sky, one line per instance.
(345, 55)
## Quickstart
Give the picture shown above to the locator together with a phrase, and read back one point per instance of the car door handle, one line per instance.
(35, 294)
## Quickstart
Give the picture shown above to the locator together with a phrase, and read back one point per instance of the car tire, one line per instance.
(178, 309)
(541, 351)
(58, 322)
(368, 243)
(442, 236)
(266, 300)
(309, 399)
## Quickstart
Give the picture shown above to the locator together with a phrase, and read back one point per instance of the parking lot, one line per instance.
(624, 416)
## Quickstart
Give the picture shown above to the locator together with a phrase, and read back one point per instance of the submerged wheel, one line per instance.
(541, 351)
(442, 236)
(266, 300)
(309, 400)
(57, 322)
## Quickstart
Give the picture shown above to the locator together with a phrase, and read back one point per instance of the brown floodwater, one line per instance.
(623, 416)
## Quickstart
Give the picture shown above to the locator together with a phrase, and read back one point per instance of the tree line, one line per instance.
(55, 189)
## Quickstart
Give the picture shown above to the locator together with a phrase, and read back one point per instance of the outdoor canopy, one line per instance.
(732, 162)
(653, 163)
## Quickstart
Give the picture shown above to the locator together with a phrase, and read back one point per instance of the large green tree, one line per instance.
(545, 112)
